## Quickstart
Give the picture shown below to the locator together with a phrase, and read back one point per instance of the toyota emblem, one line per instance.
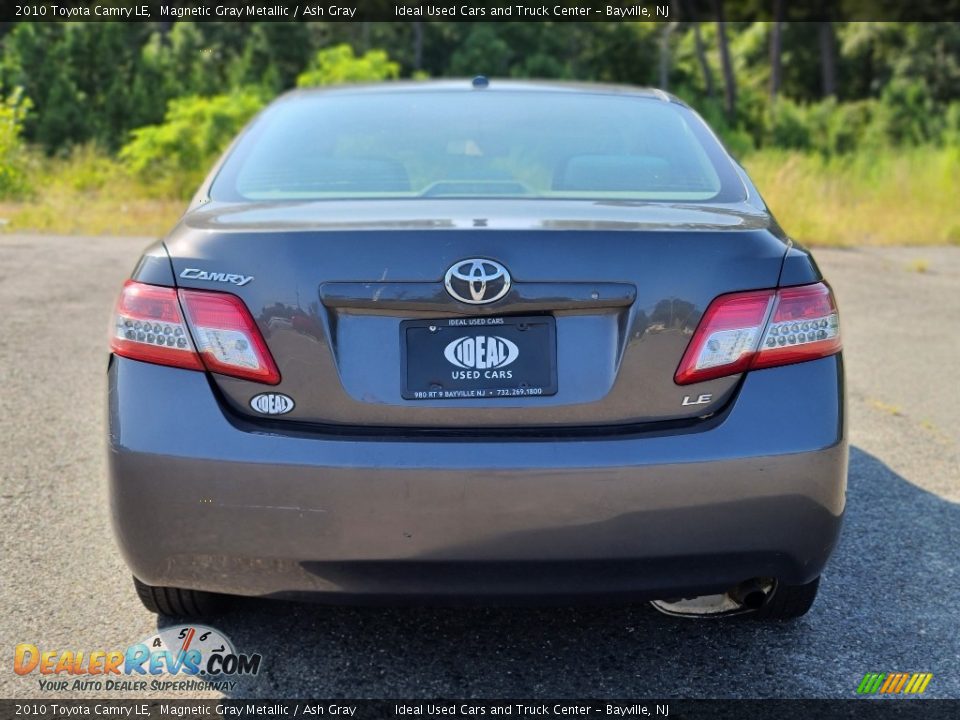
(477, 281)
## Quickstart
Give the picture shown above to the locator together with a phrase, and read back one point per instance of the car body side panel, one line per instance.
(154, 267)
(799, 268)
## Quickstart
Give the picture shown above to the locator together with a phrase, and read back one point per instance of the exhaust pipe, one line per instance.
(743, 597)
(751, 594)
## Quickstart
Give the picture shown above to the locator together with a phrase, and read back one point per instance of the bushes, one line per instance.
(13, 158)
(788, 126)
(172, 158)
(903, 117)
(738, 141)
(951, 126)
(339, 64)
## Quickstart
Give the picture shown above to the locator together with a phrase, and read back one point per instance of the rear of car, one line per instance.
(477, 342)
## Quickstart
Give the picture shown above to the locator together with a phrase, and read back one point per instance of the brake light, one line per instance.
(764, 328)
(227, 337)
(149, 326)
(805, 326)
(212, 331)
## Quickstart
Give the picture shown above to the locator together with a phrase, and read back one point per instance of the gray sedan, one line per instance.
(478, 340)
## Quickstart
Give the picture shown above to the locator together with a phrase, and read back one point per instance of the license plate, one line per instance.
(490, 357)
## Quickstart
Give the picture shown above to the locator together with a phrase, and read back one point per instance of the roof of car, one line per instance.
(491, 85)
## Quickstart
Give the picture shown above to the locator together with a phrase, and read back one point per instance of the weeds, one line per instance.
(889, 197)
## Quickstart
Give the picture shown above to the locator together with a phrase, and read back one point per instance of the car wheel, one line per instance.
(179, 602)
(789, 601)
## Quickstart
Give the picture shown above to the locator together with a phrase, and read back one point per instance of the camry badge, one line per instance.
(477, 281)
(197, 274)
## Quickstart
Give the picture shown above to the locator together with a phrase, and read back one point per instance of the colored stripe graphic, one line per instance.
(903, 680)
(891, 682)
(918, 683)
(894, 683)
(870, 683)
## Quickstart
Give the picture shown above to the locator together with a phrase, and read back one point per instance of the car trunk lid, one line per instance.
(336, 288)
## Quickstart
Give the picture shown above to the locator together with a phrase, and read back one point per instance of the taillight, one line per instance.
(149, 326)
(764, 328)
(214, 331)
(227, 337)
(804, 326)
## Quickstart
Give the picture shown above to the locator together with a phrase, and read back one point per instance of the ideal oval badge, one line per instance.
(272, 403)
(481, 352)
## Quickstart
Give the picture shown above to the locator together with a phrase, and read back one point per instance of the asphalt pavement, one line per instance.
(888, 600)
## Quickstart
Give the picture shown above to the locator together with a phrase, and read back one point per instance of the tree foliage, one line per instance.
(174, 155)
(891, 83)
(339, 64)
(13, 111)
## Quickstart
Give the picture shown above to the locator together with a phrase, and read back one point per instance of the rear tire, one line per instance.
(179, 602)
(789, 601)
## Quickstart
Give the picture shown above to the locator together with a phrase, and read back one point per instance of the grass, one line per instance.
(888, 197)
(92, 214)
(88, 194)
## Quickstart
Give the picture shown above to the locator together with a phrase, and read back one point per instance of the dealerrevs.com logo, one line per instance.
(196, 656)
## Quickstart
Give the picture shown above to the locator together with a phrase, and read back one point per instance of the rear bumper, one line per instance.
(199, 502)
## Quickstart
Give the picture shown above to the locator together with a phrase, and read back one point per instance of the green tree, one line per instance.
(13, 111)
(483, 52)
(172, 157)
(78, 75)
(340, 64)
(273, 56)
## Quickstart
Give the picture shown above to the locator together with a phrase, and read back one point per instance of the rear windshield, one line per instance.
(430, 144)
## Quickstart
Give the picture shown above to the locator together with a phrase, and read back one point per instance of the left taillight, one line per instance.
(191, 329)
(760, 329)
(148, 325)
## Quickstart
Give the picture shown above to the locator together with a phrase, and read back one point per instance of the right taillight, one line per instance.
(192, 329)
(759, 329)
(804, 326)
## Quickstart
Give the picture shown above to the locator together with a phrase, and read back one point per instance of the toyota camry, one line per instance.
(477, 341)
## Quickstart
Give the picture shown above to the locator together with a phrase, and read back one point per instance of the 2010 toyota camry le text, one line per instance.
(483, 341)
